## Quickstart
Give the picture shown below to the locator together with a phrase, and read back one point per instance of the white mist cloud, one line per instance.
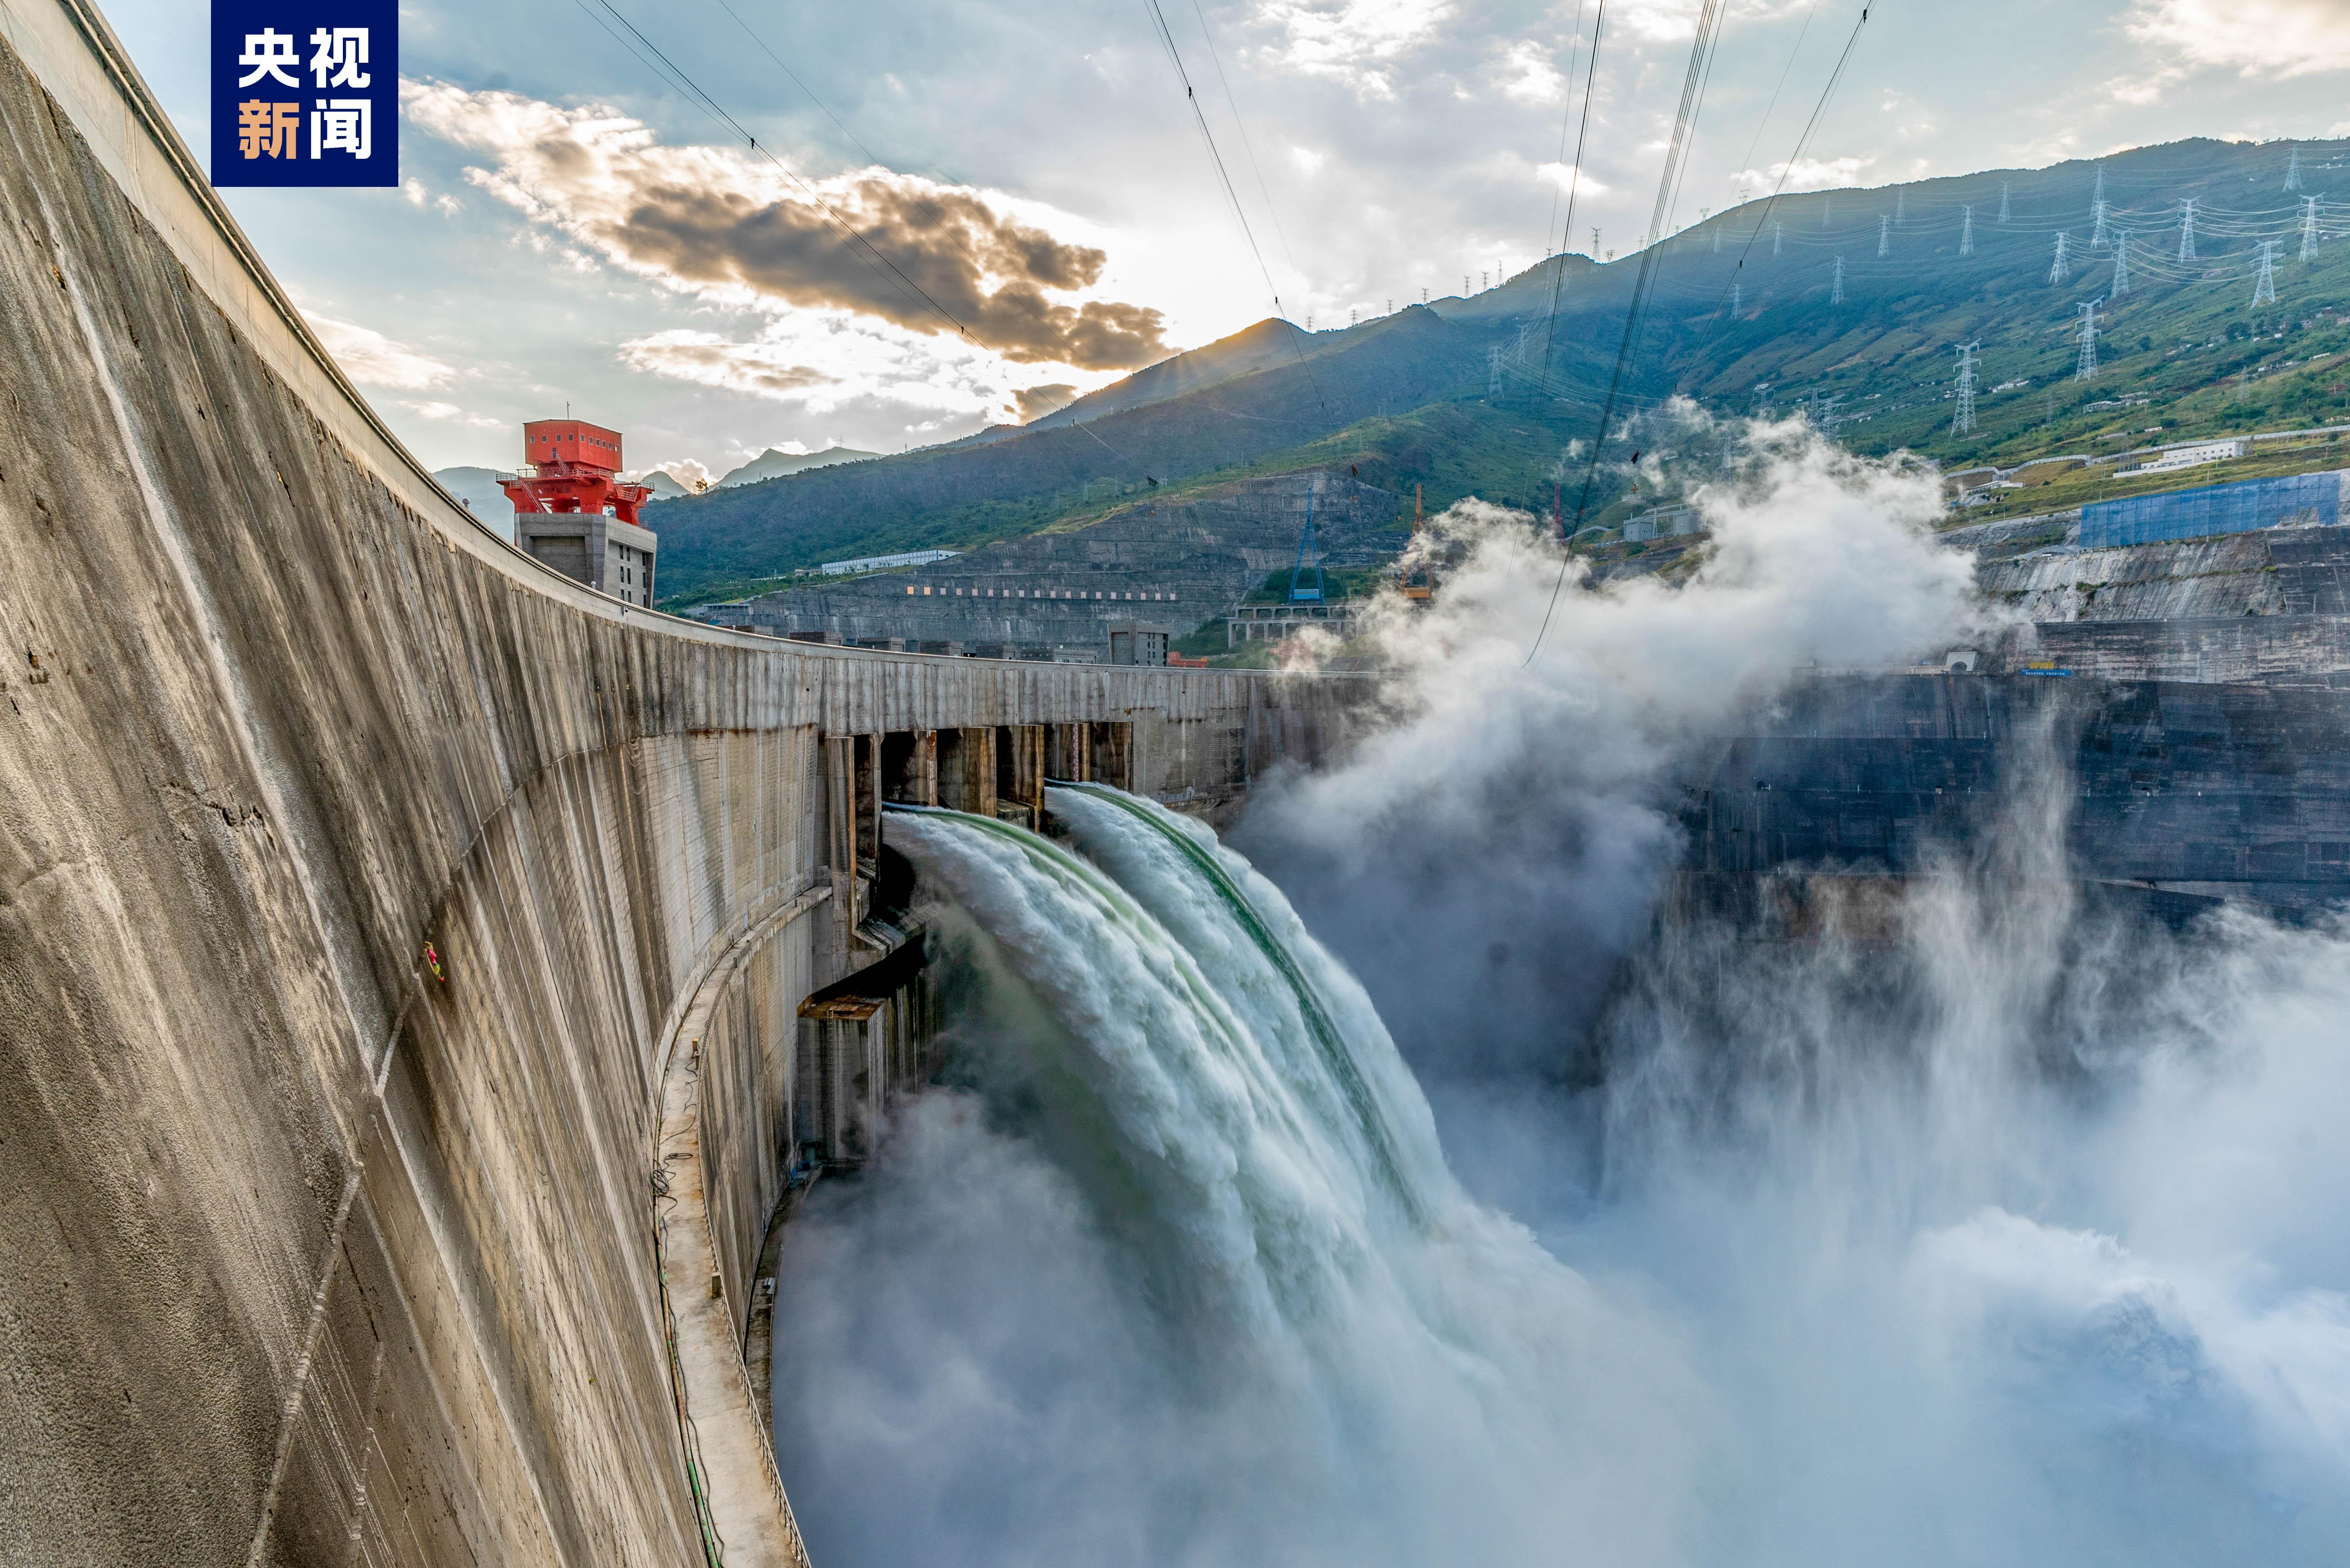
(1357, 42)
(373, 359)
(2255, 37)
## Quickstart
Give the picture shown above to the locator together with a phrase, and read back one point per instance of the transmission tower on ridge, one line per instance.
(2121, 262)
(2264, 286)
(1962, 422)
(2002, 200)
(2186, 229)
(2293, 168)
(2098, 237)
(2308, 227)
(1966, 232)
(1493, 371)
(1884, 233)
(2061, 268)
(1836, 291)
(2086, 371)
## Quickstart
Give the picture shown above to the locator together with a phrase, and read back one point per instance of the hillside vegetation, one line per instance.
(1742, 319)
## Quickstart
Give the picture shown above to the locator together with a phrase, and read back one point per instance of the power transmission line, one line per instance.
(1224, 178)
(1709, 23)
(711, 107)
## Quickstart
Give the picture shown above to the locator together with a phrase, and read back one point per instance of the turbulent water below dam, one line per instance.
(2003, 1231)
(1500, 1218)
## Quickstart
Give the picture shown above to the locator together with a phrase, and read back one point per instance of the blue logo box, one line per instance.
(306, 93)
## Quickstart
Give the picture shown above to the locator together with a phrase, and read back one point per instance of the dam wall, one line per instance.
(2200, 790)
(402, 947)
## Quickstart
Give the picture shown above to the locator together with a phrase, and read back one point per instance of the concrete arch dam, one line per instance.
(403, 950)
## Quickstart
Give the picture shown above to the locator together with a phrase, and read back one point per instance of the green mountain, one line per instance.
(1744, 317)
(775, 464)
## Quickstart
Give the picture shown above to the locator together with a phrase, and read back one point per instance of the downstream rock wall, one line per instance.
(316, 1253)
(2205, 790)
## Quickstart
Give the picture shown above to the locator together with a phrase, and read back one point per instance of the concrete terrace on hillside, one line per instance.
(1176, 562)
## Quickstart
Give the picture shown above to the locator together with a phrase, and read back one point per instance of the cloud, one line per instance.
(686, 471)
(369, 357)
(1563, 176)
(440, 411)
(1807, 174)
(1675, 21)
(711, 360)
(822, 361)
(2256, 37)
(1035, 403)
(721, 223)
(1528, 76)
(1355, 41)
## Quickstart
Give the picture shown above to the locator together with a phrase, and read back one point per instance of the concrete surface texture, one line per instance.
(356, 877)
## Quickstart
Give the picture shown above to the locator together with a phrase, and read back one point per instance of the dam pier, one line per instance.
(423, 973)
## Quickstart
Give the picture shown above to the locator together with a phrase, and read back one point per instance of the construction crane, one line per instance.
(1419, 583)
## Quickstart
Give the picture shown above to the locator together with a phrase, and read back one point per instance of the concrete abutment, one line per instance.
(321, 1251)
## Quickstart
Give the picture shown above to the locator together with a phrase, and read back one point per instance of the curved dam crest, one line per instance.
(316, 1255)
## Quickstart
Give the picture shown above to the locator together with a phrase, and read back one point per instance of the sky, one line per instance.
(1036, 209)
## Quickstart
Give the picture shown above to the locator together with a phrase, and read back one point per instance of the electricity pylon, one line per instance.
(2002, 200)
(1836, 291)
(2308, 226)
(2086, 371)
(1967, 233)
(1884, 233)
(1962, 422)
(2098, 237)
(2121, 262)
(1778, 237)
(2293, 168)
(2061, 268)
(2186, 229)
(2264, 286)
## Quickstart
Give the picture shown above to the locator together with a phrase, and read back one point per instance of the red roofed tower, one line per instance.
(573, 511)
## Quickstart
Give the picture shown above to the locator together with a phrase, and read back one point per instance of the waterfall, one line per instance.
(1252, 1148)
(1965, 1241)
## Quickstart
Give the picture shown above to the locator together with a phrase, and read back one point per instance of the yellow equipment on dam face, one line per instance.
(1418, 581)
(320, 1250)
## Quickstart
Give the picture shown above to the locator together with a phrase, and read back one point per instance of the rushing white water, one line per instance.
(1334, 1354)
(2013, 1238)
